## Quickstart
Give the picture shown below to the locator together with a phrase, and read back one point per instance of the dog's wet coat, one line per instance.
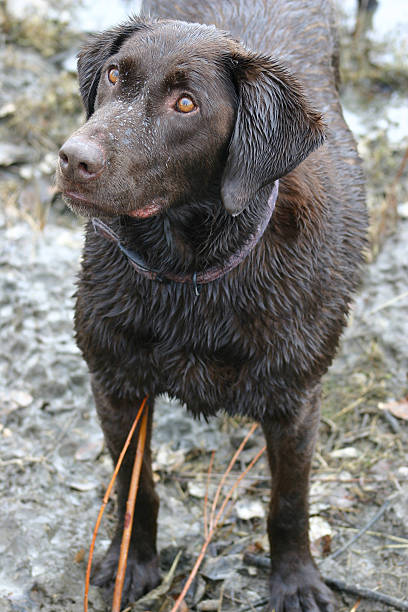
(187, 132)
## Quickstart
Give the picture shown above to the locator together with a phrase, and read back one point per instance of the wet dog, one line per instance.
(227, 235)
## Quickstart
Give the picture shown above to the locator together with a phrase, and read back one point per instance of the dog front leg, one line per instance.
(295, 583)
(142, 573)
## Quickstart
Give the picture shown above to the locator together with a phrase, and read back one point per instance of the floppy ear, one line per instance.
(95, 53)
(275, 129)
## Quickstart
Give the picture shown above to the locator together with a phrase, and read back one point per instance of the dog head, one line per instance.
(177, 112)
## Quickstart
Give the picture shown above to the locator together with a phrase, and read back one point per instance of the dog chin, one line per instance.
(85, 208)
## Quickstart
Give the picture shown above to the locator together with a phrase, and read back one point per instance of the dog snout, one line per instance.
(81, 160)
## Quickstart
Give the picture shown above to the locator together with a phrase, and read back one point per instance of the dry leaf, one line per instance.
(398, 409)
(320, 534)
(79, 555)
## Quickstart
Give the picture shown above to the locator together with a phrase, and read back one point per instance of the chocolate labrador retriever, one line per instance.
(226, 231)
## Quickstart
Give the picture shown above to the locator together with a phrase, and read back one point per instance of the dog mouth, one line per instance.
(74, 197)
(84, 206)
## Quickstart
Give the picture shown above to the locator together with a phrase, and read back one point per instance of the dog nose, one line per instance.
(81, 160)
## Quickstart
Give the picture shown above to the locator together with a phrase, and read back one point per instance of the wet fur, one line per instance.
(257, 341)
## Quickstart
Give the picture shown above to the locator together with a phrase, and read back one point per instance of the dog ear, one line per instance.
(275, 129)
(95, 53)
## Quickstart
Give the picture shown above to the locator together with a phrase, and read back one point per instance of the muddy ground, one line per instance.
(54, 464)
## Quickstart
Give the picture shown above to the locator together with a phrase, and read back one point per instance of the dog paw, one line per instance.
(299, 589)
(140, 578)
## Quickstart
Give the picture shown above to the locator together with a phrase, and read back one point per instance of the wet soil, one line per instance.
(53, 461)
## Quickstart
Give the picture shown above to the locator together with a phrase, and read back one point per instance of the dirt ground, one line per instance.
(53, 462)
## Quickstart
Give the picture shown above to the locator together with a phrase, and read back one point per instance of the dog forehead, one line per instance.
(177, 45)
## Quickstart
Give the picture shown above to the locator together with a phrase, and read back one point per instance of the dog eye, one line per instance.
(185, 105)
(113, 75)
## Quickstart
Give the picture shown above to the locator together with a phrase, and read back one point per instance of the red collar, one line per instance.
(196, 278)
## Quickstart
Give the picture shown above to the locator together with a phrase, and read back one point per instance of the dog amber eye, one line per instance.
(113, 76)
(185, 105)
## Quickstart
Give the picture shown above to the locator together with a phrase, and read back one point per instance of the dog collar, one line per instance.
(196, 278)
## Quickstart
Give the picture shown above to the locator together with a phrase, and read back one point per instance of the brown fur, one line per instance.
(256, 341)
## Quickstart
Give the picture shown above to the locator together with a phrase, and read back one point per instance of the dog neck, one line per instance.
(203, 277)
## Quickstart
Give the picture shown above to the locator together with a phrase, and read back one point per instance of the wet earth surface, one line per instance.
(53, 462)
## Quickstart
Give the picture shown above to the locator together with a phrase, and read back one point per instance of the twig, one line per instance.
(214, 523)
(380, 534)
(356, 605)
(354, 403)
(388, 547)
(206, 495)
(392, 421)
(187, 475)
(257, 560)
(229, 468)
(105, 501)
(130, 510)
(390, 302)
(219, 609)
(234, 486)
(361, 531)
(338, 585)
